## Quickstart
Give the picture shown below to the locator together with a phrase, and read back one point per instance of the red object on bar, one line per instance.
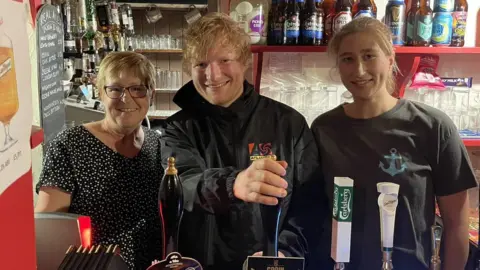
(471, 142)
(85, 228)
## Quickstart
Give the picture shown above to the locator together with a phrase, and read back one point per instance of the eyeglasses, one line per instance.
(116, 92)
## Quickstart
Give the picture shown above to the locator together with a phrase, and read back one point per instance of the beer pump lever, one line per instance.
(271, 225)
(170, 200)
(171, 208)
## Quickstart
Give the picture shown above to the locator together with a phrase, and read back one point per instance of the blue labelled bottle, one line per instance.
(320, 23)
(292, 23)
(365, 8)
(309, 23)
(411, 22)
(442, 29)
(395, 19)
(279, 23)
(443, 5)
(423, 25)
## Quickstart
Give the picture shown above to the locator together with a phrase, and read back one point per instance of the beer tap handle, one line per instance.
(171, 208)
(435, 262)
(271, 225)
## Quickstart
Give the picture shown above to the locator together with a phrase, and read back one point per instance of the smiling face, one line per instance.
(125, 112)
(364, 67)
(219, 76)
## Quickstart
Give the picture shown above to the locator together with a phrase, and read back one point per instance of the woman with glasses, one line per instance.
(110, 170)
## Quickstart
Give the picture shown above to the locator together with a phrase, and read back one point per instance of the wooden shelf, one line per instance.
(160, 51)
(398, 50)
(471, 142)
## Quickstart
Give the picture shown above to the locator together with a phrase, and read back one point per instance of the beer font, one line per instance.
(171, 207)
(342, 221)
(436, 262)
(387, 203)
(271, 225)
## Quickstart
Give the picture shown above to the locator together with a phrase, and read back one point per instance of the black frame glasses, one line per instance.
(117, 92)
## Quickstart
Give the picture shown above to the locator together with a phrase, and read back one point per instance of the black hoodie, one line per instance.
(212, 144)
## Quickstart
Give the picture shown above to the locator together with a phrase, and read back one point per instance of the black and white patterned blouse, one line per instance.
(120, 194)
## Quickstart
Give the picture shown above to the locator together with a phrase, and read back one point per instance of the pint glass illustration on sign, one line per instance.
(8, 88)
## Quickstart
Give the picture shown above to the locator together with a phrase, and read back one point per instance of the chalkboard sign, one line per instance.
(50, 70)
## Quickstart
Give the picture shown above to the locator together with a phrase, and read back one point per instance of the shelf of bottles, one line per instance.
(92, 29)
(307, 26)
(312, 22)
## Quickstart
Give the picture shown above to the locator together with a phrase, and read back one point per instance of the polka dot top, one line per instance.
(119, 194)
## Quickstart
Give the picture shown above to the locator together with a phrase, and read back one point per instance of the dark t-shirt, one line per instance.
(119, 194)
(413, 145)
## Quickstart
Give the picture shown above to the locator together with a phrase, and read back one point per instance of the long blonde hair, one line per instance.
(382, 36)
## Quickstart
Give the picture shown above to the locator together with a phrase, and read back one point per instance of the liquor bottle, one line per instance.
(423, 25)
(319, 33)
(69, 16)
(103, 14)
(364, 8)
(329, 14)
(309, 23)
(272, 14)
(115, 26)
(395, 20)
(460, 11)
(292, 23)
(279, 23)
(343, 14)
(127, 20)
(411, 22)
(91, 22)
(171, 207)
(81, 28)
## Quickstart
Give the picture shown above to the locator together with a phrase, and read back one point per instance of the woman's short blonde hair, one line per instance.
(134, 63)
(379, 31)
(212, 30)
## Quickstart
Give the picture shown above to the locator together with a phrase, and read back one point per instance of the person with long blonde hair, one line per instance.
(380, 138)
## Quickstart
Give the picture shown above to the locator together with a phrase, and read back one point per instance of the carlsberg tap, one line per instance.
(342, 221)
